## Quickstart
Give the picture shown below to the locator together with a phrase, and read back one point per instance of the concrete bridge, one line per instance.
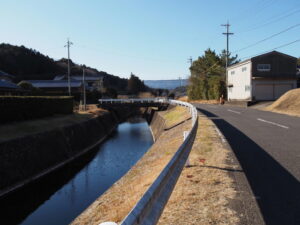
(136, 102)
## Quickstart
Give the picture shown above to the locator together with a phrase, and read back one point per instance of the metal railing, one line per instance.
(149, 208)
(134, 100)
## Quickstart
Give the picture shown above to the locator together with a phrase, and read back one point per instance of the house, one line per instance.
(57, 86)
(6, 77)
(263, 77)
(9, 88)
(93, 82)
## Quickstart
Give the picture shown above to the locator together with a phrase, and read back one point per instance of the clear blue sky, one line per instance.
(152, 38)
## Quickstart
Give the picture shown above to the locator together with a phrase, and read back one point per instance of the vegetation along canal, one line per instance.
(62, 196)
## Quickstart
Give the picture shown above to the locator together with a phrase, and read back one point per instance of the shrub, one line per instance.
(17, 108)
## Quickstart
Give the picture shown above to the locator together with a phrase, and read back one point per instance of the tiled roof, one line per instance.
(8, 85)
(87, 78)
(2, 73)
(78, 77)
(54, 83)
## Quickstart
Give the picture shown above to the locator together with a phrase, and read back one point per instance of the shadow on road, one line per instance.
(277, 191)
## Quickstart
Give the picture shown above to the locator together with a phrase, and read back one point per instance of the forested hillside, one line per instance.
(29, 64)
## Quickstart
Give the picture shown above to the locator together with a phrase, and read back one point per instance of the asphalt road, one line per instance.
(267, 146)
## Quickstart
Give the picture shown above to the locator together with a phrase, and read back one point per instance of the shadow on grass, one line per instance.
(276, 190)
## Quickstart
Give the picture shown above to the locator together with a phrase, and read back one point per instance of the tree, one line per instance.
(207, 80)
(30, 88)
(26, 85)
(135, 85)
(298, 61)
(231, 59)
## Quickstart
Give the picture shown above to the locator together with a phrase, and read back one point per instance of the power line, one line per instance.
(267, 38)
(253, 11)
(271, 21)
(281, 46)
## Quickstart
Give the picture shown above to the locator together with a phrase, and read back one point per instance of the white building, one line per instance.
(263, 77)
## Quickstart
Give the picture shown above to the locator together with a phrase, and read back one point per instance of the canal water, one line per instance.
(62, 196)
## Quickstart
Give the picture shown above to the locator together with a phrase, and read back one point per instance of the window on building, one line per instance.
(232, 72)
(263, 67)
(244, 69)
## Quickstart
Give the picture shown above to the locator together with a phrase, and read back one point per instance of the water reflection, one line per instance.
(60, 197)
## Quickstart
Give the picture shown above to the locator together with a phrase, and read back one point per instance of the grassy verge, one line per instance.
(175, 116)
(117, 202)
(204, 190)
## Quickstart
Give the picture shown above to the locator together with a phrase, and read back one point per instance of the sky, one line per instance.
(150, 38)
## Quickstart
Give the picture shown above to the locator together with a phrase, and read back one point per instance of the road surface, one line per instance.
(267, 145)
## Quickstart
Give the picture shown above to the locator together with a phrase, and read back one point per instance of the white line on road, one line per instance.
(233, 111)
(221, 135)
(276, 124)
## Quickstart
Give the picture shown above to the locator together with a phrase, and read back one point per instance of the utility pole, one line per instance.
(227, 33)
(179, 78)
(190, 60)
(84, 91)
(69, 70)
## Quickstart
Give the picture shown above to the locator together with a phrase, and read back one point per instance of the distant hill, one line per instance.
(29, 64)
(166, 84)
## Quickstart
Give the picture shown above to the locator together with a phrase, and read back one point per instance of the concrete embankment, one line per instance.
(25, 159)
(117, 202)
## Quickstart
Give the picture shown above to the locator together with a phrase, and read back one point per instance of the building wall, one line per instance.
(240, 82)
(282, 66)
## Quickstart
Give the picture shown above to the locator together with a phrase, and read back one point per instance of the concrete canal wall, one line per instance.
(28, 158)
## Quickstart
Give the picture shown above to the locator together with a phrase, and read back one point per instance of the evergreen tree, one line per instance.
(135, 85)
(207, 80)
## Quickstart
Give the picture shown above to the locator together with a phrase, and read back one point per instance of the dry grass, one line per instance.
(146, 95)
(19, 129)
(289, 103)
(183, 99)
(117, 202)
(206, 101)
(203, 191)
(186, 99)
(175, 116)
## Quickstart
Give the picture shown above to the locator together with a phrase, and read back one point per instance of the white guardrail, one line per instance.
(149, 208)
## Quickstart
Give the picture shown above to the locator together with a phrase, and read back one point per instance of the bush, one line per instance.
(30, 89)
(18, 108)
(209, 88)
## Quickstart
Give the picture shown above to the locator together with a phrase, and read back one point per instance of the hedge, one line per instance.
(17, 108)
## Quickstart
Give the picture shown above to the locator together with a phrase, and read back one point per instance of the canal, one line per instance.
(62, 196)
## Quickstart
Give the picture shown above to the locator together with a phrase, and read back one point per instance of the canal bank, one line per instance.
(62, 196)
(28, 158)
(117, 201)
